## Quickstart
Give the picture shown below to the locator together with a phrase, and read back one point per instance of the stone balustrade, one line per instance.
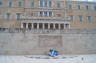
(48, 31)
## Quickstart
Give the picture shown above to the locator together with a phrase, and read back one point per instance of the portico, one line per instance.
(45, 25)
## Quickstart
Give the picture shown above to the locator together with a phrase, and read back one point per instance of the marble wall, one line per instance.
(82, 42)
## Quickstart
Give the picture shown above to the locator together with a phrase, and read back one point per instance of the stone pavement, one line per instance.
(46, 59)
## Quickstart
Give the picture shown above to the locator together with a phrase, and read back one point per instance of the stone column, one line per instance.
(43, 26)
(26, 25)
(37, 25)
(32, 25)
(53, 25)
(21, 25)
(59, 26)
(48, 25)
(64, 26)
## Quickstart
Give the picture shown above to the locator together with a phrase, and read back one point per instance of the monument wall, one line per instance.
(65, 41)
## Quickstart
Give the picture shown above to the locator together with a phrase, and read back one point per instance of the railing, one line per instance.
(47, 31)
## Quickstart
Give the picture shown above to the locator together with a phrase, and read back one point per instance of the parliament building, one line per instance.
(40, 25)
(47, 14)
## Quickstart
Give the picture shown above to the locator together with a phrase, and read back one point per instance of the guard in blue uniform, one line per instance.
(53, 53)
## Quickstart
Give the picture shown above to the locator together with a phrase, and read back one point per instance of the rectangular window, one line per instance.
(20, 4)
(70, 6)
(1, 3)
(32, 4)
(45, 13)
(87, 7)
(45, 3)
(41, 3)
(71, 18)
(89, 18)
(80, 18)
(50, 13)
(8, 16)
(41, 13)
(10, 4)
(79, 7)
(18, 16)
(49, 4)
(58, 5)
(95, 8)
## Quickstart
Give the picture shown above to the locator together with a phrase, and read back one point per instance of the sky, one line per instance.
(87, 0)
(91, 0)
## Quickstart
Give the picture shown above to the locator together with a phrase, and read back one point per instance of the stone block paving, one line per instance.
(47, 59)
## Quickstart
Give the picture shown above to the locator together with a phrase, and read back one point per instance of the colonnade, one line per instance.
(45, 25)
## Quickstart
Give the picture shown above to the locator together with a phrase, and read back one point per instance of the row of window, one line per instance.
(46, 13)
(89, 18)
(45, 3)
(10, 4)
(48, 3)
(86, 7)
(8, 16)
(18, 16)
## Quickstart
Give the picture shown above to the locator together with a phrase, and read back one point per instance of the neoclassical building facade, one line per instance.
(47, 14)
(36, 26)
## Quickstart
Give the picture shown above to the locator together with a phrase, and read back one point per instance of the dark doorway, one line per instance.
(35, 25)
(51, 26)
(29, 26)
(24, 25)
(40, 26)
(56, 26)
(61, 26)
(46, 25)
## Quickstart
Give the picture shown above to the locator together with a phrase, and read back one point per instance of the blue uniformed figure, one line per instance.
(53, 53)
